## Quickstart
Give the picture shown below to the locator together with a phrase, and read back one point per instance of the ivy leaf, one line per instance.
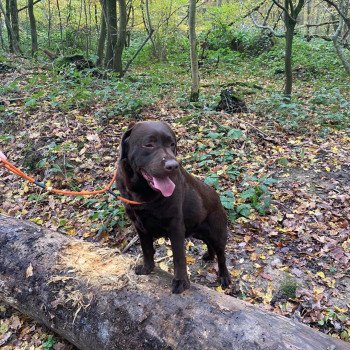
(244, 209)
(248, 193)
(227, 200)
(214, 135)
(269, 181)
(235, 134)
(212, 180)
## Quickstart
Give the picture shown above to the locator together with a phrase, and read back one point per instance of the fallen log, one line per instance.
(91, 297)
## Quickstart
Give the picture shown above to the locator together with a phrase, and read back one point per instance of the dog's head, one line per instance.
(150, 150)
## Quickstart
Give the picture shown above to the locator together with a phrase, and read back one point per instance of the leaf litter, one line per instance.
(291, 256)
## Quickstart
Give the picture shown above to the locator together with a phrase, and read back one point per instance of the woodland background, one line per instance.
(258, 95)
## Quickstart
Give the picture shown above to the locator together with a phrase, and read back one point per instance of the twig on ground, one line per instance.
(130, 244)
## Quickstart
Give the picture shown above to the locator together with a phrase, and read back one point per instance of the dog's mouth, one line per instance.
(161, 184)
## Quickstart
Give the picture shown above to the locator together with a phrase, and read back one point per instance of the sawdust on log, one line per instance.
(100, 267)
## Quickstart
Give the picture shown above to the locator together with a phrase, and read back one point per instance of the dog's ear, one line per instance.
(124, 143)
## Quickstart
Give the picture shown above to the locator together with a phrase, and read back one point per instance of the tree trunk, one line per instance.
(78, 37)
(33, 32)
(60, 24)
(291, 13)
(118, 55)
(102, 37)
(86, 30)
(14, 19)
(193, 52)
(13, 43)
(96, 18)
(308, 17)
(290, 25)
(1, 34)
(111, 26)
(90, 296)
(148, 24)
(7, 15)
(335, 38)
(49, 23)
(317, 19)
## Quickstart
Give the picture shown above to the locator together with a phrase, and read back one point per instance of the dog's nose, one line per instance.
(171, 165)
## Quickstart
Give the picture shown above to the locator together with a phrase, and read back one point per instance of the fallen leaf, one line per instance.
(235, 272)
(190, 259)
(29, 271)
(321, 274)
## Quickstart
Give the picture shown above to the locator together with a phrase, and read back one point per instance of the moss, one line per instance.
(288, 287)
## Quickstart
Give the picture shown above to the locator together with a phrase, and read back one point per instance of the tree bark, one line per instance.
(308, 17)
(118, 55)
(69, 8)
(33, 31)
(86, 30)
(111, 25)
(148, 23)
(90, 296)
(13, 43)
(291, 13)
(290, 25)
(49, 23)
(14, 19)
(335, 38)
(193, 52)
(1, 34)
(102, 37)
(60, 24)
(7, 15)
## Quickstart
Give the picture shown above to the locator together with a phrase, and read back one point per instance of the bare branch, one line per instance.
(138, 50)
(265, 27)
(284, 9)
(312, 36)
(320, 24)
(25, 7)
(299, 7)
(291, 6)
(341, 13)
(256, 8)
(280, 6)
(268, 14)
(342, 56)
(278, 19)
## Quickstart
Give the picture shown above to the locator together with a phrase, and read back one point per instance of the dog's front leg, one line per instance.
(148, 253)
(177, 239)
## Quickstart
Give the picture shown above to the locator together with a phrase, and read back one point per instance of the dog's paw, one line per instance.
(225, 281)
(180, 285)
(143, 270)
(208, 257)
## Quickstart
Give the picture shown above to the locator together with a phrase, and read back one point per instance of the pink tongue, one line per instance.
(164, 185)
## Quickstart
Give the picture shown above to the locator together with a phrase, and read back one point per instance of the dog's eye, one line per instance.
(149, 145)
(172, 145)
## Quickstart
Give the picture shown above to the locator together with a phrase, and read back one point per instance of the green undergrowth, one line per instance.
(320, 99)
(216, 154)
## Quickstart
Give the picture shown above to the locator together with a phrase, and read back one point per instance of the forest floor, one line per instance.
(287, 193)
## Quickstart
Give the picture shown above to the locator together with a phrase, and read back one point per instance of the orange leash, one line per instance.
(20, 173)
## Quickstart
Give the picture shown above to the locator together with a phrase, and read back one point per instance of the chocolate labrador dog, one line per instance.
(176, 204)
